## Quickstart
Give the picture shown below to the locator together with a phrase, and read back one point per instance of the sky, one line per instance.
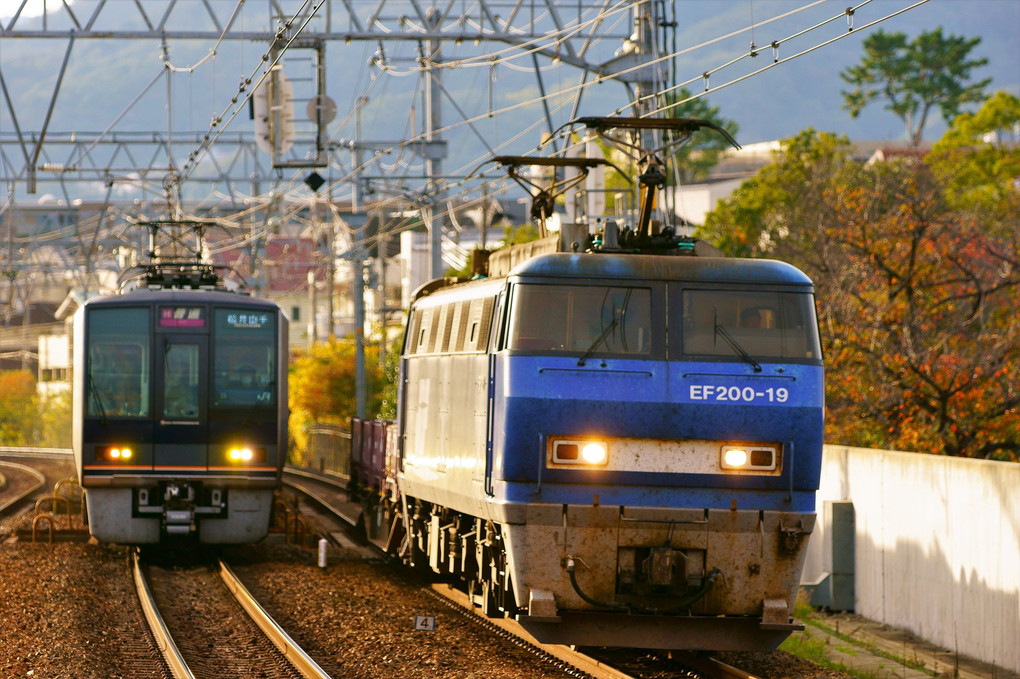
(33, 8)
(108, 79)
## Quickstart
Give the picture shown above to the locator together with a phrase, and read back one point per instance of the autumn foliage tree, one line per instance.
(322, 386)
(18, 408)
(917, 289)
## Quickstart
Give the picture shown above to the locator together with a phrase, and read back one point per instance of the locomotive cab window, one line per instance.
(245, 358)
(729, 323)
(117, 380)
(592, 319)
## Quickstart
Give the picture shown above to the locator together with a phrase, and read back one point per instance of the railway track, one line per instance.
(44, 476)
(206, 624)
(330, 497)
(19, 483)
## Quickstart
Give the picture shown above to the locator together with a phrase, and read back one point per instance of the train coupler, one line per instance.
(179, 521)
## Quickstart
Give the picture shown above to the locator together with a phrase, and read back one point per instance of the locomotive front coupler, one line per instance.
(680, 606)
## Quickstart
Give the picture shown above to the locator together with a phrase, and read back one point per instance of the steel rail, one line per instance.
(178, 666)
(590, 666)
(39, 453)
(301, 661)
(15, 501)
(293, 653)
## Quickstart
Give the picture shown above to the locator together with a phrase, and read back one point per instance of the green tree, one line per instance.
(524, 233)
(19, 405)
(772, 213)
(978, 158)
(913, 78)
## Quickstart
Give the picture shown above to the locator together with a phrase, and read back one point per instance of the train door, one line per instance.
(181, 402)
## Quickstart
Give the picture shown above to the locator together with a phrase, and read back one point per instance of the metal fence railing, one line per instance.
(329, 449)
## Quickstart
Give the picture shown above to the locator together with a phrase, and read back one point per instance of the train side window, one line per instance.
(413, 326)
(117, 378)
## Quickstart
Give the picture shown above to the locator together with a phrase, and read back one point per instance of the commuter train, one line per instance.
(617, 449)
(179, 412)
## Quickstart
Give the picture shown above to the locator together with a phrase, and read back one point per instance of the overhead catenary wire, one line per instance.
(600, 79)
(247, 87)
(848, 14)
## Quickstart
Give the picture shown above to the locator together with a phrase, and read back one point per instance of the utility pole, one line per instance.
(434, 153)
(358, 292)
(485, 213)
(310, 321)
(358, 286)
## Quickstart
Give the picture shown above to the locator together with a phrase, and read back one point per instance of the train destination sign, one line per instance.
(247, 320)
(182, 317)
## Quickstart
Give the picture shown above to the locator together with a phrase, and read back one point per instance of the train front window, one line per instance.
(245, 358)
(117, 378)
(735, 323)
(181, 372)
(577, 319)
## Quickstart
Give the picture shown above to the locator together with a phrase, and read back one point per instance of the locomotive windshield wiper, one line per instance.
(720, 330)
(617, 317)
(599, 340)
(97, 397)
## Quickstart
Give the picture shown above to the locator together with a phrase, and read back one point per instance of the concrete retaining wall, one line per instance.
(937, 546)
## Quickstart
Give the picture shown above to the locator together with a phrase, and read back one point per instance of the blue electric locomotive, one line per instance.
(179, 411)
(619, 450)
(615, 437)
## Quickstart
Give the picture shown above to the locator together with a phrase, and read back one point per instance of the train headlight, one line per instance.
(580, 452)
(241, 454)
(594, 453)
(245, 454)
(734, 458)
(749, 457)
(117, 454)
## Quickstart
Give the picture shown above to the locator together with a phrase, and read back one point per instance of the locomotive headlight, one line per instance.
(734, 458)
(580, 452)
(594, 452)
(749, 457)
